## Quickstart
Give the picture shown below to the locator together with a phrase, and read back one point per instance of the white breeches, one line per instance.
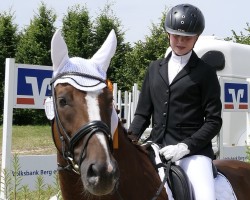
(200, 173)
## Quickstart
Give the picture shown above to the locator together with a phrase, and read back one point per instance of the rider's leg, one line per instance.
(200, 173)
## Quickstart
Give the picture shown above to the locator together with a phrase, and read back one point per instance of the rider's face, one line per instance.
(181, 45)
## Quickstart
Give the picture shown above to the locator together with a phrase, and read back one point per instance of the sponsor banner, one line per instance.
(235, 96)
(32, 166)
(33, 86)
(235, 153)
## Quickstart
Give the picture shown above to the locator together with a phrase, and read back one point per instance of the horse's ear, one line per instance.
(59, 51)
(103, 56)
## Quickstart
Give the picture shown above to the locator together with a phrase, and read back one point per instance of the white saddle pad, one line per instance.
(223, 188)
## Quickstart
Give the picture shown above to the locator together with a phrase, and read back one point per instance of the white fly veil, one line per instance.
(96, 66)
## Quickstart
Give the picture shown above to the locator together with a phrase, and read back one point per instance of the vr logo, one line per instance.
(236, 96)
(236, 100)
(39, 97)
(33, 87)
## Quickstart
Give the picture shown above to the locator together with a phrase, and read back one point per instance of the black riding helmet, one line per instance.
(185, 19)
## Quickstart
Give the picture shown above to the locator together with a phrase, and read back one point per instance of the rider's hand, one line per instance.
(174, 152)
(132, 137)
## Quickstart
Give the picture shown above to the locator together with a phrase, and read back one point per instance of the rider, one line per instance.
(182, 94)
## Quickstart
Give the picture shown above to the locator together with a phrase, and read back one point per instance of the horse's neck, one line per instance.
(136, 166)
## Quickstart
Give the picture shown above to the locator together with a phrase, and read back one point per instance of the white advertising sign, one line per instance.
(26, 86)
(32, 166)
(235, 153)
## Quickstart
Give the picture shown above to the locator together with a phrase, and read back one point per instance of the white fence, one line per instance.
(126, 102)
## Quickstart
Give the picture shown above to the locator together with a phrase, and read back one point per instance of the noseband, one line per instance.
(85, 132)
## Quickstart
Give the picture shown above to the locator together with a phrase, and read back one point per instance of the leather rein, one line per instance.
(85, 132)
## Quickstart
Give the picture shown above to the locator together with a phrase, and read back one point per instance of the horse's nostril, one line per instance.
(93, 174)
(99, 170)
(93, 170)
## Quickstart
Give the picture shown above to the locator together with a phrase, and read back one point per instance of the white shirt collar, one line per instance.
(182, 60)
(176, 63)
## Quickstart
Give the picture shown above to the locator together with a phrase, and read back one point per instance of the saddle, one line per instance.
(178, 182)
(175, 176)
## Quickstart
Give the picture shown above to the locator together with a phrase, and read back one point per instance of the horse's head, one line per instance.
(82, 112)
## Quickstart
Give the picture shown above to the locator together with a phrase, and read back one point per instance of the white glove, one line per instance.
(174, 152)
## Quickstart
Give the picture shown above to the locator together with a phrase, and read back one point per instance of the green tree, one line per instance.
(104, 23)
(241, 38)
(34, 48)
(34, 45)
(8, 44)
(77, 29)
(84, 37)
(143, 53)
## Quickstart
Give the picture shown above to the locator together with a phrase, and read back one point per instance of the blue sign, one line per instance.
(236, 96)
(33, 86)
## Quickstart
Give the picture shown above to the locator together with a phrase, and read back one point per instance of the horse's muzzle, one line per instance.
(101, 179)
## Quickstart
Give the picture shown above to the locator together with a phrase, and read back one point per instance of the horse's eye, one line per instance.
(62, 102)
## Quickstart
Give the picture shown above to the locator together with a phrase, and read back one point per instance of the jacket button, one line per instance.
(164, 114)
(165, 102)
(167, 91)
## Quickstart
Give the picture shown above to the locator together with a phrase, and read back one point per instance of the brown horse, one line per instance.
(131, 175)
(96, 159)
(120, 172)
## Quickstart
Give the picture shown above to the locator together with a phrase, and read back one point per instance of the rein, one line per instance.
(167, 169)
(85, 132)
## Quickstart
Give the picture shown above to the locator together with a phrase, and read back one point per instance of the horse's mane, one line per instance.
(144, 149)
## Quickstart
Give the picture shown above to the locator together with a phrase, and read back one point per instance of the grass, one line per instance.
(31, 140)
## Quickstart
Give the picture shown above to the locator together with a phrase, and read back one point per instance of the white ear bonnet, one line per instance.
(96, 66)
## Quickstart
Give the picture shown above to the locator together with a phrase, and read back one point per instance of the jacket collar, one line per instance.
(186, 70)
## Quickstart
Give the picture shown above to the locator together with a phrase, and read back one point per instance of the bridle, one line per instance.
(85, 132)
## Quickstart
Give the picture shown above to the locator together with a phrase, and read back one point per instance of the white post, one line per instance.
(115, 93)
(119, 102)
(220, 143)
(7, 120)
(248, 128)
(248, 119)
(135, 97)
(220, 139)
(130, 114)
(126, 107)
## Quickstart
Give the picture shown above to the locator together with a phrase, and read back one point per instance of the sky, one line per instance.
(137, 16)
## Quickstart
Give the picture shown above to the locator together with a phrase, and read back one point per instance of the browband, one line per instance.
(76, 74)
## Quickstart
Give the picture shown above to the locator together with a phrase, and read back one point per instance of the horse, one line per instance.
(96, 159)
(130, 175)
